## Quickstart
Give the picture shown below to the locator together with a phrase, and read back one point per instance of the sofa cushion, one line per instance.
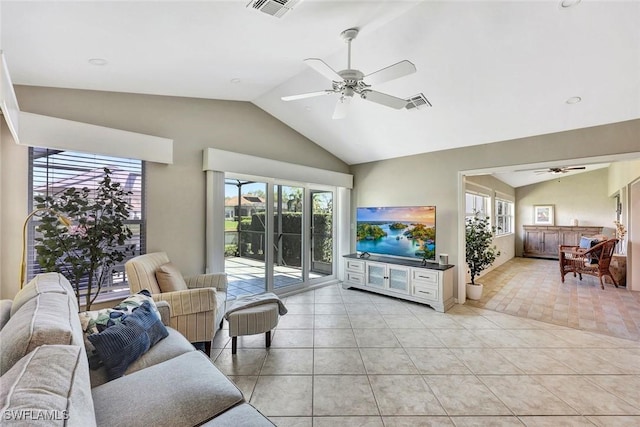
(164, 310)
(42, 284)
(187, 390)
(172, 346)
(120, 345)
(49, 386)
(49, 318)
(241, 415)
(170, 279)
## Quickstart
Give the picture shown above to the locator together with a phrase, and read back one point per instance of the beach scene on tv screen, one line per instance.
(407, 231)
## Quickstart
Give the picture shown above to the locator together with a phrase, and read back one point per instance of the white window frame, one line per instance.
(506, 216)
(470, 211)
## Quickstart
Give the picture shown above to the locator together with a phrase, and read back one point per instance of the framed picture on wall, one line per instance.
(543, 214)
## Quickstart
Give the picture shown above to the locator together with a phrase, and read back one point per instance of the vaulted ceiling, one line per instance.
(492, 70)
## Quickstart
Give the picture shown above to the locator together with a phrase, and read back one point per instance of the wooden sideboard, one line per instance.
(542, 241)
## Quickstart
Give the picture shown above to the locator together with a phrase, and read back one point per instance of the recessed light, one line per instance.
(97, 61)
(307, 108)
(574, 100)
(236, 81)
(568, 3)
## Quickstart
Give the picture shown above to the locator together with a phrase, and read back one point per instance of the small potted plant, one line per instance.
(479, 253)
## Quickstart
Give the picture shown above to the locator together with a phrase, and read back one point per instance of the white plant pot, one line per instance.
(474, 292)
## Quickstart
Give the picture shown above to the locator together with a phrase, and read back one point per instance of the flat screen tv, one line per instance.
(400, 231)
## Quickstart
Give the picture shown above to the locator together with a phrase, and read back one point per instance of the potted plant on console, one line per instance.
(479, 253)
(86, 251)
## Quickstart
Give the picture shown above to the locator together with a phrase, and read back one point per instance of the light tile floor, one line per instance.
(532, 288)
(352, 358)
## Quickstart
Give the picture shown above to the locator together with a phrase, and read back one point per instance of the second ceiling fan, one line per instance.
(350, 82)
(560, 170)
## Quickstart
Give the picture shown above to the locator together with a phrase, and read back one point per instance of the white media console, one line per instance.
(430, 284)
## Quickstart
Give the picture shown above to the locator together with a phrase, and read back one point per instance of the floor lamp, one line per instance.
(63, 220)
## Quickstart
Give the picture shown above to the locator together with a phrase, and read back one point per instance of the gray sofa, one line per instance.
(46, 378)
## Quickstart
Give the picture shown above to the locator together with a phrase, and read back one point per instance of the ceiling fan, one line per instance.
(560, 170)
(350, 82)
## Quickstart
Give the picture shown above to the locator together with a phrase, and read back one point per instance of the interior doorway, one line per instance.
(461, 275)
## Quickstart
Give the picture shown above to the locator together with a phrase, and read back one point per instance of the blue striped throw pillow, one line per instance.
(122, 344)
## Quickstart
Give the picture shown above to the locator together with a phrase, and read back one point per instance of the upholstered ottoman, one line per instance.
(253, 320)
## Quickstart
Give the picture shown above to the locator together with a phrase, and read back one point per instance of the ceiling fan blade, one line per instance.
(400, 69)
(321, 67)
(306, 95)
(575, 168)
(342, 107)
(384, 99)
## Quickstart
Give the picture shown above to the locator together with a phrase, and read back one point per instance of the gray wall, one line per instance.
(433, 178)
(583, 197)
(175, 193)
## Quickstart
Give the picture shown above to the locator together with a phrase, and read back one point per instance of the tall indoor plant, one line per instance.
(85, 252)
(479, 253)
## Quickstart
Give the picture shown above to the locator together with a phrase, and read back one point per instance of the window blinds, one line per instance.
(52, 171)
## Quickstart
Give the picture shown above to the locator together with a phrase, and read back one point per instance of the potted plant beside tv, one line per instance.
(479, 253)
(85, 252)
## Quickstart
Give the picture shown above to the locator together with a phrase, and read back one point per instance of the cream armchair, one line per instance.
(196, 311)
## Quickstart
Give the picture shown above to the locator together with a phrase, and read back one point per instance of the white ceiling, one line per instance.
(493, 70)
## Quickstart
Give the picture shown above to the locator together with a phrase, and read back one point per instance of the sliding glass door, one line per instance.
(321, 211)
(278, 236)
(245, 231)
(288, 243)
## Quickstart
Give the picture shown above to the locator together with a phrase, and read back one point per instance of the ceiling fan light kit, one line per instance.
(350, 82)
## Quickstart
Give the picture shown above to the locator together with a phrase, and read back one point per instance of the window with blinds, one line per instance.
(51, 172)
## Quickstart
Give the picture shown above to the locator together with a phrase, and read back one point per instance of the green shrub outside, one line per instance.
(253, 240)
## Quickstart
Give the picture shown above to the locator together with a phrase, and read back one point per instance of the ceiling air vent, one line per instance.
(275, 8)
(417, 102)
